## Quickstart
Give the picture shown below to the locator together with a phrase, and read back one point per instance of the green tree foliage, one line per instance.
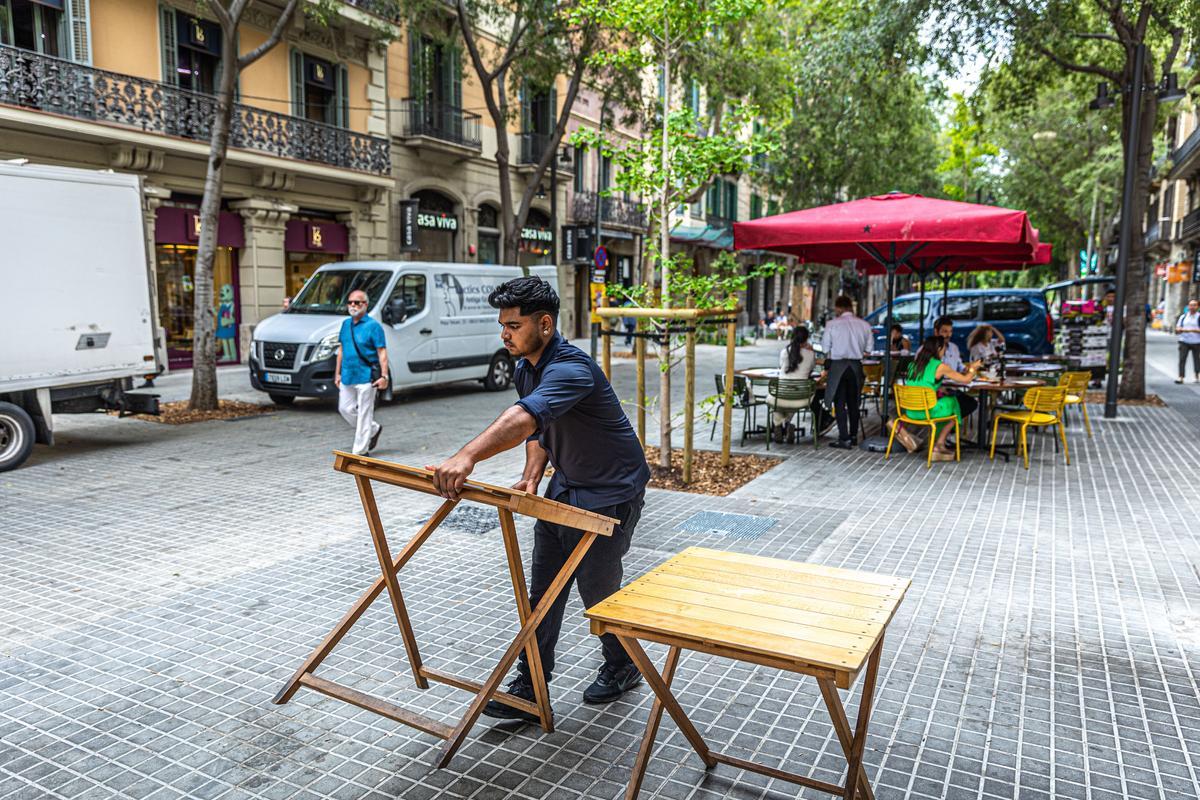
(968, 153)
(859, 115)
(1094, 39)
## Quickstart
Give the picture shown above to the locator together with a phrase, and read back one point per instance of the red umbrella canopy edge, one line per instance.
(892, 227)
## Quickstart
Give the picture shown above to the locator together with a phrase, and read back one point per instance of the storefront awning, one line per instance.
(181, 226)
(716, 236)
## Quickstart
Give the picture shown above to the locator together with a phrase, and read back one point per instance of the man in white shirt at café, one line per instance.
(845, 340)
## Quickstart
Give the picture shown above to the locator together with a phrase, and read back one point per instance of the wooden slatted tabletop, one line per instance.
(806, 614)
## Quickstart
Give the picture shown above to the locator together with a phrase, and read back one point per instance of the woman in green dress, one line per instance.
(929, 370)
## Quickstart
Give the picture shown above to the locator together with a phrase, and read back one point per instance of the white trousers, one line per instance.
(356, 404)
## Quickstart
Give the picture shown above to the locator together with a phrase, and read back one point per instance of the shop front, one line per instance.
(437, 226)
(535, 247)
(310, 243)
(176, 234)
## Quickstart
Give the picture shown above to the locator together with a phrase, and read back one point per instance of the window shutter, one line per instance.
(297, 83)
(416, 67)
(731, 200)
(343, 96)
(454, 96)
(552, 111)
(713, 200)
(170, 47)
(78, 30)
(526, 114)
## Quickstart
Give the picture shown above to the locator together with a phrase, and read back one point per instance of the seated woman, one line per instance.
(928, 370)
(796, 362)
(899, 343)
(984, 343)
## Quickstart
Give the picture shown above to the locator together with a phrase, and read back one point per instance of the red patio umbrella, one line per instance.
(892, 230)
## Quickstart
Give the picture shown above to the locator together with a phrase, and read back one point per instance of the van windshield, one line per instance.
(326, 292)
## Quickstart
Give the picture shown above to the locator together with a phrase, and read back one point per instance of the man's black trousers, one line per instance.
(1184, 349)
(598, 576)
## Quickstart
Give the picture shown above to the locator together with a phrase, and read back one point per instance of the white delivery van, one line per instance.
(436, 317)
(76, 320)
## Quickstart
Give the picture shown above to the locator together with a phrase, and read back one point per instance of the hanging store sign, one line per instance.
(409, 236)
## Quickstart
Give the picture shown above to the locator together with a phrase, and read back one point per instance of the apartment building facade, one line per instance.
(126, 85)
(1172, 224)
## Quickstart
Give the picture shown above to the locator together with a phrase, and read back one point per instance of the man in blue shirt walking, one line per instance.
(569, 416)
(363, 349)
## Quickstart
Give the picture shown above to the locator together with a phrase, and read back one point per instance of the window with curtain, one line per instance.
(605, 172)
(435, 83)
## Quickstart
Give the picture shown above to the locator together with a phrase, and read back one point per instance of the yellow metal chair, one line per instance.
(1076, 384)
(872, 386)
(920, 399)
(1044, 406)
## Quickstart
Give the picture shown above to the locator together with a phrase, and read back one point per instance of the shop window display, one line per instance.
(176, 302)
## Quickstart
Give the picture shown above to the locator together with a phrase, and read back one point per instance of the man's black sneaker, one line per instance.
(519, 687)
(843, 444)
(375, 439)
(611, 683)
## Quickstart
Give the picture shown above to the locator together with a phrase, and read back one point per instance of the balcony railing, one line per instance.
(613, 210)
(439, 121)
(31, 80)
(724, 223)
(1190, 228)
(533, 147)
(1153, 233)
(1185, 150)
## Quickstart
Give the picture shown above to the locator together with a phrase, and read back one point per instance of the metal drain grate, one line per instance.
(476, 520)
(746, 527)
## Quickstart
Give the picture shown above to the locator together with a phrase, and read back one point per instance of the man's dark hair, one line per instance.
(943, 320)
(843, 303)
(530, 294)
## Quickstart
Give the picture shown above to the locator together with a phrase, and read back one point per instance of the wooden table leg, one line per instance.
(842, 726)
(360, 606)
(855, 774)
(646, 666)
(516, 571)
(389, 578)
(510, 655)
(656, 710)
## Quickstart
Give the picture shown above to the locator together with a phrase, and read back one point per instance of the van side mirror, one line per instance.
(396, 311)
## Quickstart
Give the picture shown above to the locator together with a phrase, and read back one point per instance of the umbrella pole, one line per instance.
(887, 344)
(921, 309)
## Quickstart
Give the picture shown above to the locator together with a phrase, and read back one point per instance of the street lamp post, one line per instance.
(1168, 91)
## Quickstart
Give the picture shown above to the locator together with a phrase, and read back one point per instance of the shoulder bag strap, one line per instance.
(354, 342)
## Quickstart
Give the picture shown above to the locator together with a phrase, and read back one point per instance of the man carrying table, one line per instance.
(569, 416)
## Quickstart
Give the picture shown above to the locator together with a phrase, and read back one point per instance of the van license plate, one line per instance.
(276, 378)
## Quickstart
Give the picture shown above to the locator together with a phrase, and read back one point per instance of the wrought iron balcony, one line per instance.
(533, 147)
(1190, 226)
(439, 121)
(1181, 169)
(32, 80)
(613, 210)
(1153, 234)
(723, 223)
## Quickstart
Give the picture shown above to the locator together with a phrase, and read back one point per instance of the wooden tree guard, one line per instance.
(506, 502)
(692, 315)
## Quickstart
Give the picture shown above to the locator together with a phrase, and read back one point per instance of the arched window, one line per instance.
(438, 222)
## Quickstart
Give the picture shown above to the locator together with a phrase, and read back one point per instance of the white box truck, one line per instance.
(76, 316)
(435, 316)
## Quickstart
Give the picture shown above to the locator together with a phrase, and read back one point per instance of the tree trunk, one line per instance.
(1133, 374)
(204, 343)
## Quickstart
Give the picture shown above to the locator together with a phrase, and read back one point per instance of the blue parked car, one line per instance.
(1020, 314)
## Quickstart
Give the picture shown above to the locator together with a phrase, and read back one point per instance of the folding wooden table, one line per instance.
(806, 618)
(506, 502)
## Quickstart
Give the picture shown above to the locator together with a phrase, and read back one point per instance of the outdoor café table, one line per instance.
(1027, 358)
(1033, 369)
(806, 618)
(987, 392)
(507, 502)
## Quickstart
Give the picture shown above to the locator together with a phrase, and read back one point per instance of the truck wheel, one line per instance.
(282, 399)
(500, 373)
(16, 436)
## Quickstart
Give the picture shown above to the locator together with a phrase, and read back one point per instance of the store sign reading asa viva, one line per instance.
(441, 222)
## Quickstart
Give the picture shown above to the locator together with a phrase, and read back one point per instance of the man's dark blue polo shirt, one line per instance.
(597, 457)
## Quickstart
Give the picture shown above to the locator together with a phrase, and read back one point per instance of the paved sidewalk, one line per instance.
(158, 585)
